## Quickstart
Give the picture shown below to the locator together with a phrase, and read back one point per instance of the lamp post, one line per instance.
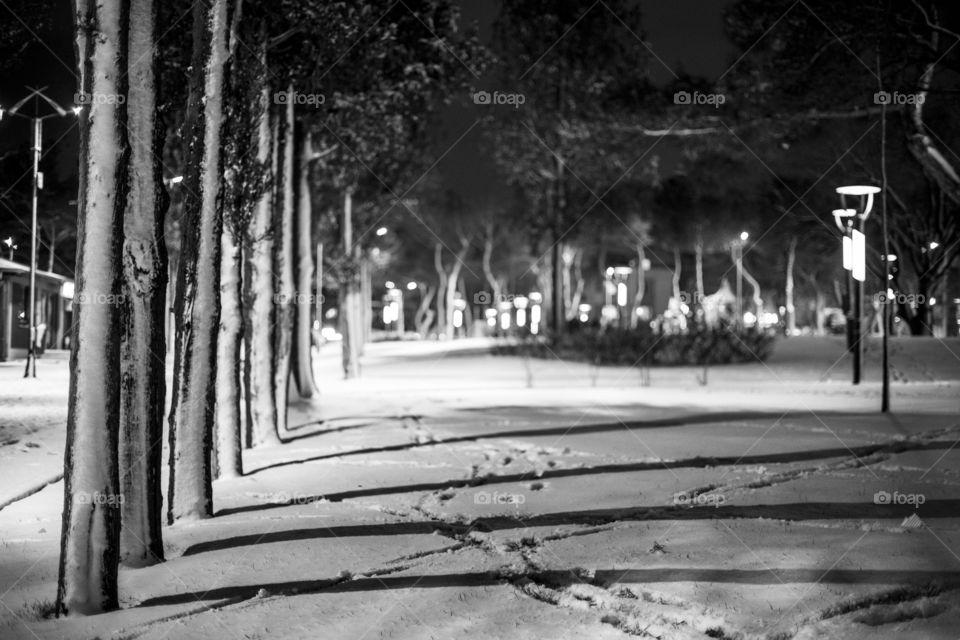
(855, 259)
(36, 122)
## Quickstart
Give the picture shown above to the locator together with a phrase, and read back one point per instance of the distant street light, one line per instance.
(11, 246)
(411, 286)
(37, 122)
(855, 219)
(382, 231)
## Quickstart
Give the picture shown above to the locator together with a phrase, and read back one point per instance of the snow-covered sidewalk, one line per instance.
(450, 493)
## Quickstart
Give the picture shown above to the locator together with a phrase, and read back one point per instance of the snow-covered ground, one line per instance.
(453, 494)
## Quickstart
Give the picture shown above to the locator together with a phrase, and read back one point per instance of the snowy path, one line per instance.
(440, 496)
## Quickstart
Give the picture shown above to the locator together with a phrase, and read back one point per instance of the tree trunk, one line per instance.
(677, 267)
(453, 277)
(260, 399)
(229, 461)
(557, 286)
(302, 353)
(348, 294)
(190, 495)
(441, 286)
(283, 256)
(698, 255)
(757, 300)
(791, 309)
(641, 286)
(90, 538)
(424, 317)
(496, 291)
(143, 340)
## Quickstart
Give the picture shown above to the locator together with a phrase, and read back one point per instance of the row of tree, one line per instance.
(241, 224)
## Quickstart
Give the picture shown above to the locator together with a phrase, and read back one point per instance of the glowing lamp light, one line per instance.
(411, 286)
(847, 253)
(858, 190)
(859, 255)
(389, 284)
(382, 231)
(491, 316)
(622, 294)
(744, 236)
(67, 290)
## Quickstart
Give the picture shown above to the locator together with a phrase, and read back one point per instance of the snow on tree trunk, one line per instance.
(229, 462)
(302, 361)
(190, 495)
(143, 339)
(90, 540)
(283, 263)
(261, 401)
(348, 294)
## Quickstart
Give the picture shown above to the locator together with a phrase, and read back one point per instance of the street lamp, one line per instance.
(619, 277)
(855, 262)
(37, 124)
(536, 300)
(520, 302)
(11, 246)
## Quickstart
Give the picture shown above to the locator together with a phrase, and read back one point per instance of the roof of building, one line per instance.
(9, 266)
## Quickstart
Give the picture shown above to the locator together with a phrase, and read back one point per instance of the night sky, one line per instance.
(686, 35)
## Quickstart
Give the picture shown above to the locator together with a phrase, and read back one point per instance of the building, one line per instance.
(54, 310)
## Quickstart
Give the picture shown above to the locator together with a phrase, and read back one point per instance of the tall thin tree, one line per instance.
(143, 340)
(90, 540)
(197, 305)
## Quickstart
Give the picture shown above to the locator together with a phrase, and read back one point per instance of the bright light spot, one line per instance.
(411, 286)
(858, 256)
(521, 317)
(491, 316)
(622, 294)
(891, 258)
(749, 319)
(329, 333)
(534, 315)
(66, 290)
(609, 271)
(768, 319)
(77, 110)
(934, 245)
(457, 318)
(534, 328)
(176, 180)
(744, 235)
(933, 301)
(505, 320)
(382, 231)
(389, 284)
